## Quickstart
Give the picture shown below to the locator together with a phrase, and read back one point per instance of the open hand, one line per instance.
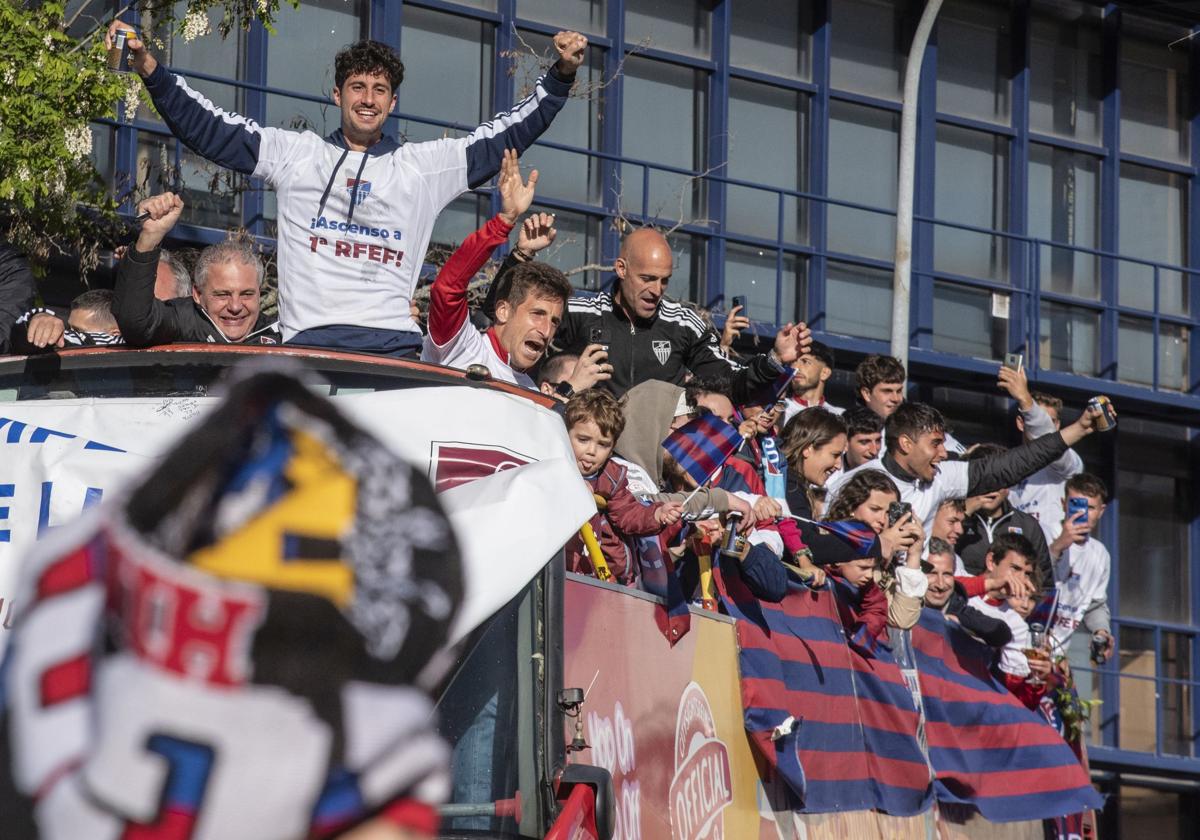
(515, 194)
(536, 233)
(1010, 583)
(792, 342)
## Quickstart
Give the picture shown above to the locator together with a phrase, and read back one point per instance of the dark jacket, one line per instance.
(1006, 469)
(826, 547)
(145, 320)
(979, 532)
(991, 631)
(666, 347)
(16, 292)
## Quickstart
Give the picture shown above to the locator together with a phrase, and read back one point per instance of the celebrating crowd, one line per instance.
(877, 496)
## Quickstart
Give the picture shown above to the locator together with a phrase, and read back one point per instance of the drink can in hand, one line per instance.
(118, 53)
(1108, 418)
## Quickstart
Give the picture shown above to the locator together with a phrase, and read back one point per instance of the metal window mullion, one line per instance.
(1018, 169)
(717, 155)
(255, 108)
(1159, 669)
(1192, 372)
(504, 85)
(1110, 181)
(610, 170)
(818, 167)
(921, 309)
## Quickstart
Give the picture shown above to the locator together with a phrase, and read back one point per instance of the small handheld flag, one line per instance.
(780, 386)
(701, 446)
(858, 535)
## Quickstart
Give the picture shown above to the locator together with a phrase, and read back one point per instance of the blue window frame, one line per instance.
(1058, 176)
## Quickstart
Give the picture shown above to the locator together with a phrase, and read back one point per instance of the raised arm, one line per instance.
(1037, 420)
(448, 297)
(225, 138)
(703, 357)
(521, 125)
(987, 475)
(144, 320)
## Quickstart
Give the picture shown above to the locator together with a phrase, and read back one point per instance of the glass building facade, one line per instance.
(1057, 169)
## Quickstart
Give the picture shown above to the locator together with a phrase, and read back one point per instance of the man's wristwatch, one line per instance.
(774, 359)
(564, 389)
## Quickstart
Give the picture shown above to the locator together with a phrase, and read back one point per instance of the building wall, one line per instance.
(1056, 186)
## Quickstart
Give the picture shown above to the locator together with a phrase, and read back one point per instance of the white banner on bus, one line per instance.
(60, 457)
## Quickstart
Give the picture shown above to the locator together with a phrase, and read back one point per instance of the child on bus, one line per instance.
(862, 605)
(594, 421)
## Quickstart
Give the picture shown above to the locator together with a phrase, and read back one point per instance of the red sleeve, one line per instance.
(873, 611)
(974, 586)
(792, 540)
(448, 297)
(628, 516)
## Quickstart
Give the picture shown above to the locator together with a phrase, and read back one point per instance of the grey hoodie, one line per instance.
(649, 410)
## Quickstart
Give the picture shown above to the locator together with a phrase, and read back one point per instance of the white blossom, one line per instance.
(262, 7)
(195, 25)
(10, 76)
(47, 40)
(132, 98)
(78, 139)
(22, 172)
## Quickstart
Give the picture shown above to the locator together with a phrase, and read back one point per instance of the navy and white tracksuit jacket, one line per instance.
(353, 226)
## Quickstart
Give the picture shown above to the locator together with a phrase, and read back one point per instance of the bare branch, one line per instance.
(583, 269)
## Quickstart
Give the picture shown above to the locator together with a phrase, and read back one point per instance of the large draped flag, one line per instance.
(233, 648)
(836, 722)
(987, 748)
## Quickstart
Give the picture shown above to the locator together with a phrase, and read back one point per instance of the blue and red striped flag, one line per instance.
(1043, 611)
(703, 445)
(851, 741)
(988, 750)
(858, 535)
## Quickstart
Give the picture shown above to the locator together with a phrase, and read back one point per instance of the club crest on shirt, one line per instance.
(364, 189)
(662, 351)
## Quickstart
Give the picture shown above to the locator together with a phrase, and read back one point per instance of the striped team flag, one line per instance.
(838, 725)
(990, 751)
(703, 445)
(858, 535)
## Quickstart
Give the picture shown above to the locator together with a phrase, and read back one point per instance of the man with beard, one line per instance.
(813, 370)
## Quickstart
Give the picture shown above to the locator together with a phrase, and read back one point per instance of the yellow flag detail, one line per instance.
(317, 511)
